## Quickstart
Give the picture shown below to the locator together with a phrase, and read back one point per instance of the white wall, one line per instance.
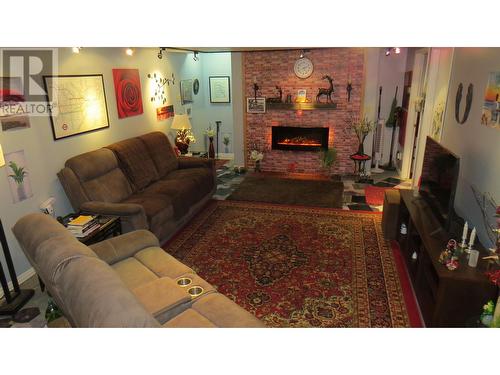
(45, 157)
(477, 146)
(388, 72)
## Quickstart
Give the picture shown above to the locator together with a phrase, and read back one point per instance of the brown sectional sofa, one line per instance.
(126, 281)
(141, 180)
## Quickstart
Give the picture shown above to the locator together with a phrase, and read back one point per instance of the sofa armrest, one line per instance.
(121, 247)
(188, 162)
(132, 215)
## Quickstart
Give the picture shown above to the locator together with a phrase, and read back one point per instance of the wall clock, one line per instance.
(303, 67)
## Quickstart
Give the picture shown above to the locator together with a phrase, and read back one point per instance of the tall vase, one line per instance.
(211, 150)
(21, 192)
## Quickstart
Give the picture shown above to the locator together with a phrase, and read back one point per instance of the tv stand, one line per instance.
(446, 298)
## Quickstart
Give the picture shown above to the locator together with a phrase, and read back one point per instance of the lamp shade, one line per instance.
(2, 160)
(181, 122)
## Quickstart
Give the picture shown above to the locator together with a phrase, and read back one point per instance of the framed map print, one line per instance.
(77, 104)
(220, 91)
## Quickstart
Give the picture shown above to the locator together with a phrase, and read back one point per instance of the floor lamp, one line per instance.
(18, 298)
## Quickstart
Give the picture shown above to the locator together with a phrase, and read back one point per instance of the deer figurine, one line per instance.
(328, 92)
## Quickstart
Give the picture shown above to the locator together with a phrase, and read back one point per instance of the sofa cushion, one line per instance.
(135, 161)
(94, 296)
(133, 273)
(189, 319)
(223, 312)
(161, 263)
(155, 206)
(182, 193)
(163, 298)
(161, 152)
(100, 176)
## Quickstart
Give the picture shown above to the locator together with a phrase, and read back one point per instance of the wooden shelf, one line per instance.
(302, 106)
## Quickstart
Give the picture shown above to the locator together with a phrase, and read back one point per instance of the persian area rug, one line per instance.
(318, 193)
(296, 266)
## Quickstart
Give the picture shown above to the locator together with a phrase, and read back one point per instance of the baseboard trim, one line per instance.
(21, 279)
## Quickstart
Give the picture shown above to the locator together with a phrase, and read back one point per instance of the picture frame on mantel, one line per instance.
(220, 90)
(256, 105)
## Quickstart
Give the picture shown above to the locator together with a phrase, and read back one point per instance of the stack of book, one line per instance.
(83, 225)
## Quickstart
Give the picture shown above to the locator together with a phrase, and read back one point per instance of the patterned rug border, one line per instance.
(393, 288)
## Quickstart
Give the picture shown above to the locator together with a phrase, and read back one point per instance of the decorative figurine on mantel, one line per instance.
(277, 99)
(328, 92)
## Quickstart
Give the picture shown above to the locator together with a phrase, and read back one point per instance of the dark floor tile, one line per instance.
(358, 199)
(359, 207)
(383, 184)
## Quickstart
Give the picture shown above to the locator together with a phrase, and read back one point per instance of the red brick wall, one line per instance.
(275, 68)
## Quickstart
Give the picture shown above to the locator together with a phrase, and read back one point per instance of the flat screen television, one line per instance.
(438, 181)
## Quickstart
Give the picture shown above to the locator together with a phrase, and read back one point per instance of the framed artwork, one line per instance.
(165, 112)
(220, 91)
(490, 115)
(11, 93)
(256, 105)
(128, 92)
(186, 91)
(18, 176)
(78, 104)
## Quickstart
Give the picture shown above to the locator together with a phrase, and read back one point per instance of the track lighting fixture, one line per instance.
(76, 49)
(396, 50)
(161, 51)
(195, 56)
(129, 51)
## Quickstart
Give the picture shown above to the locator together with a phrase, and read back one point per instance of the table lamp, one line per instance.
(184, 136)
(13, 300)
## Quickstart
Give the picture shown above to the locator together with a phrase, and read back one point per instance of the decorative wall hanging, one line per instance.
(158, 94)
(349, 89)
(18, 176)
(468, 102)
(186, 91)
(220, 91)
(11, 94)
(79, 104)
(437, 120)
(128, 92)
(256, 105)
(165, 112)
(491, 106)
(327, 92)
(196, 86)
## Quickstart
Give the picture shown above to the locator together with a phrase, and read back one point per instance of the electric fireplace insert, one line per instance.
(299, 138)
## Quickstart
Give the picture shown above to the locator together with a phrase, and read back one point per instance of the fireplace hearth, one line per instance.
(299, 138)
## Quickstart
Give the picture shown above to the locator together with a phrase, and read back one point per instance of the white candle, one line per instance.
(466, 230)
(472, 237)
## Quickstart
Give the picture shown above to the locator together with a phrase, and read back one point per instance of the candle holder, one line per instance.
(463, 245)
(468, 249)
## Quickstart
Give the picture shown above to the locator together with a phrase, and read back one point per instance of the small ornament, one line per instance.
(452, 264)
(448, 256)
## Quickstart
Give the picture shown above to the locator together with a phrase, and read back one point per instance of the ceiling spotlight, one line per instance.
(195, 56)
(160, 52)
(129, 51)
(302, 54)
(76, 49)
(397, 50)
(387, 51)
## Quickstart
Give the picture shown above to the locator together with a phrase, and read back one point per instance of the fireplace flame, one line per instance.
(300, 141)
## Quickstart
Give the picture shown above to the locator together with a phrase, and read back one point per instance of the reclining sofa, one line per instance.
(125, 281)
(141, 180)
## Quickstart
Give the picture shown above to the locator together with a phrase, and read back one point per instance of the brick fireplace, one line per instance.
(275, 68)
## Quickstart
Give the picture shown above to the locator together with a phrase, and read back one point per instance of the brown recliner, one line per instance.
(126, 281)
(141, 180)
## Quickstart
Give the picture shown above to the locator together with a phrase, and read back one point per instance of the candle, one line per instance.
(472, 237)
(466, 230)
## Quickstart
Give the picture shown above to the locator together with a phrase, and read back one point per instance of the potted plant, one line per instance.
(362, 128)
(328, 158)
(226, 140)
(18, 175)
